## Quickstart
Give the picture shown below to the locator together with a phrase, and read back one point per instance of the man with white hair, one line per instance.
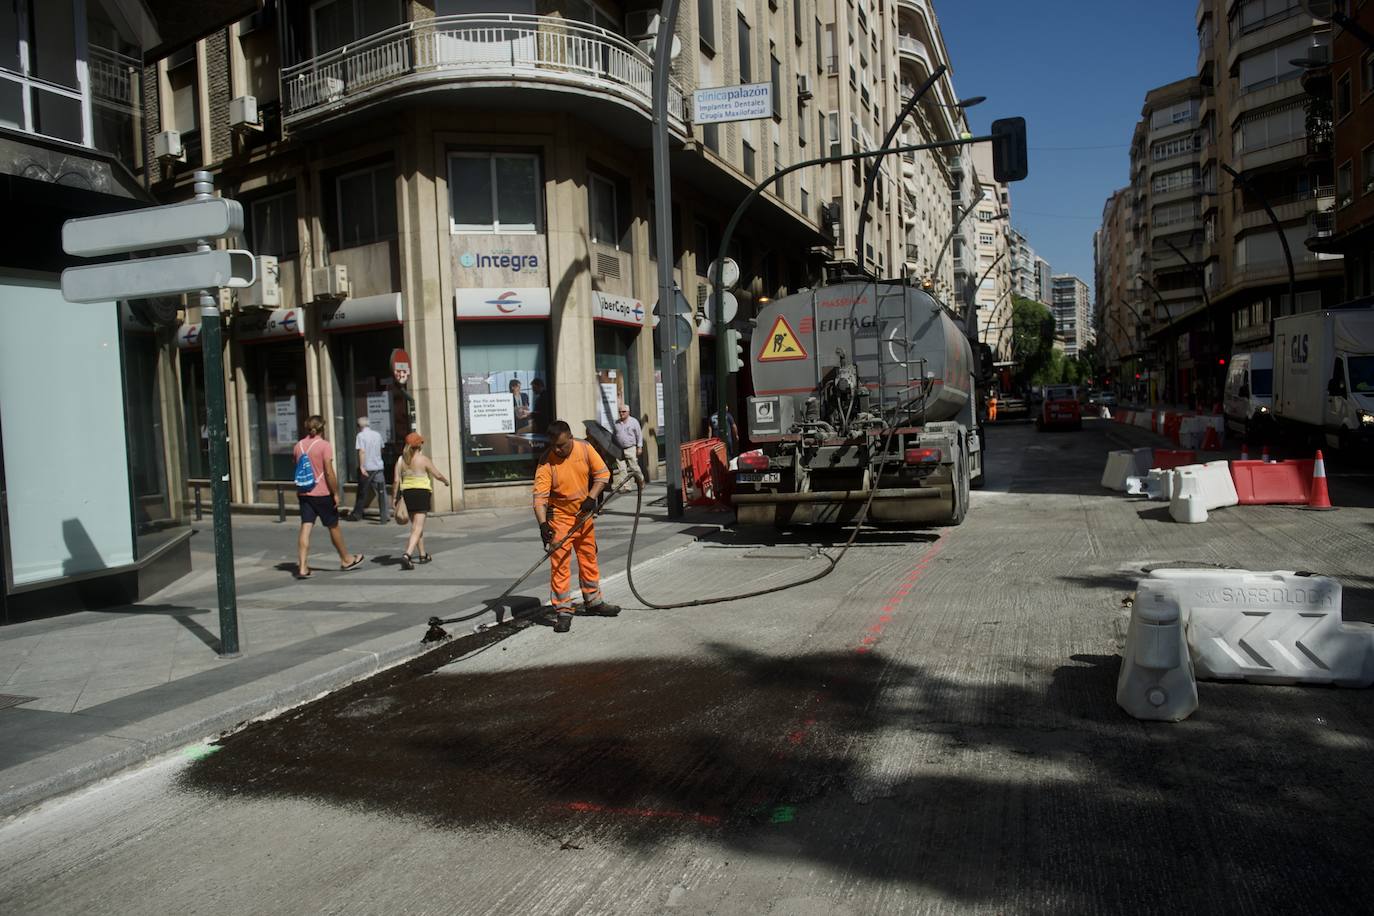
(371, 471)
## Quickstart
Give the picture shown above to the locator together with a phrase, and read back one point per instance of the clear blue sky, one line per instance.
(1078, 73)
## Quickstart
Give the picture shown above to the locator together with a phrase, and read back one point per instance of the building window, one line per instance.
(1345, 185)
(335, 23)
(746, 69)
(185, 112)
(492, 358)
(775, 77)
(604, 211)
(277, 405)
(1344, 97)
(494, 192)
(1367, 74)
(366, 206)
(710, 135)
(806, 203)
(272, 225)
(820, 55)
(832, 132)
(1270, 129)
(748, 158)
(1272, 65)
(706, 24)
(1367, 169)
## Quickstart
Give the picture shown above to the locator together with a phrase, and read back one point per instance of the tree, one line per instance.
(1032, 339)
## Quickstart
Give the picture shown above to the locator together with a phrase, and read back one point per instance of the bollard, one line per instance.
(1156, 680)
(197, 488)
(281, 504)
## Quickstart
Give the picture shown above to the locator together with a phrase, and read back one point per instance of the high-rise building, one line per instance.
(1072, 310)
(1120, 323)
(993, 270)
(1024, 278)
(1044, 282)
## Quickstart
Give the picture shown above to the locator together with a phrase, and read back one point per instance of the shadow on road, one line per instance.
(1035, 801)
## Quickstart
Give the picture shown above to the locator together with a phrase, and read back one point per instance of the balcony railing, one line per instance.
(113, 77)
(486, 47)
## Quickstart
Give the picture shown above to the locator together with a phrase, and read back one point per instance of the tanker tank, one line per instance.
(895, 336)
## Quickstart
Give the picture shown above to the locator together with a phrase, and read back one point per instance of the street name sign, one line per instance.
(155, 227)
(141, 278)
(732, 103)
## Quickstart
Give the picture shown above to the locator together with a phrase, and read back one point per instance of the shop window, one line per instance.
(365, 205)
(605, 212)
(364, 387)
(277, 407)
(493, 192)
(194, 415)
(272, 225)
(506, 400)
(152, 506)
(617, 370)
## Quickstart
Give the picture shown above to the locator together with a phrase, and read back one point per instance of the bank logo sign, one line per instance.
(617, 309)
(503, 260)
(473, 303)
(732, 103)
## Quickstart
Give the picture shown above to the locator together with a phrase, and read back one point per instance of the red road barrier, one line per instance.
(1166, 458)
(706, 479)
(1261, 483)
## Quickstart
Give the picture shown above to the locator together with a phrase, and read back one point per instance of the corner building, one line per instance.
(483, 180)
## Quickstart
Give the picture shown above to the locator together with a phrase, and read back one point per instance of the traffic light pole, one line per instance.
(718, 266)
(667, 292)
(218, 432)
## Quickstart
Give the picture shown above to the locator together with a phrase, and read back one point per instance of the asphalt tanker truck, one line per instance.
(864, 394)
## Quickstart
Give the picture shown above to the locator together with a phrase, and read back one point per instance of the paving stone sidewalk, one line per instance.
(98, 691)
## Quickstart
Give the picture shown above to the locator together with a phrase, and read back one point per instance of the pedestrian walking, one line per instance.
(371, 472)
(415, 476)
(629, 435)
(566, 486)
(317, 490)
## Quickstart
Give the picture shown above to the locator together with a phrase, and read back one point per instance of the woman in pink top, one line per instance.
(320, 501)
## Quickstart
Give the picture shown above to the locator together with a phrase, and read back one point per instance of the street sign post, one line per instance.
(205, 270)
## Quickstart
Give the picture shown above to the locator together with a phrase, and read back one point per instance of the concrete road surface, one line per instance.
(930, 729)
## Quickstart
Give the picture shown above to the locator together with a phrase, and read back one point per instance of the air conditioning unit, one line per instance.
(804, 87)
(265, 293)
(330, 282)
(167, 145)
(641, 24)
(243, 113)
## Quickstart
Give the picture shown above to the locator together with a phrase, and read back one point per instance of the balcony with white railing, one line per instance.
(490, 54)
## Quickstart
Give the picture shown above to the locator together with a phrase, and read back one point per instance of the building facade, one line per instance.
(992, 270)
(474, 188)
(1121, 325)
(1072, 311)
(1024, 278)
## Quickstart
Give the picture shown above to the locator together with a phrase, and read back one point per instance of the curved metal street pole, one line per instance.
(1278, 227)
(717, 290)
(971, 305)
(949, 237)
(667, 292)
(872, 178)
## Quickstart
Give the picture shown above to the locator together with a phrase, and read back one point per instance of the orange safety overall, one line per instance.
(560, 484)
(992, 409)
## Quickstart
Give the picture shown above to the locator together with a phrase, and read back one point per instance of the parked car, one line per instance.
(1061, 408)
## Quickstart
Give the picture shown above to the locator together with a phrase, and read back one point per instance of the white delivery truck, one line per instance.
(1249, 397)
(1324, 376)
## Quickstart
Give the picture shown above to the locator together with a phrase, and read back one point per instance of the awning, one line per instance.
(365, 312)
(622, 310)
(261, 325)
(488, 302)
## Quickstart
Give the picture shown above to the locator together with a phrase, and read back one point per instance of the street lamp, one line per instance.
(1245, 183)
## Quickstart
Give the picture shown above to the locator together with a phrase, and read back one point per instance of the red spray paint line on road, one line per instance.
(899, 594)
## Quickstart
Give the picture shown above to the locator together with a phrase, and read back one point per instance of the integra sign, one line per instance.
(504, 261)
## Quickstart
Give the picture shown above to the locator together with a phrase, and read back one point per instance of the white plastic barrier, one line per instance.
(1157, 484)
(1197, 489)
(1156, 680)
(1186, 501)
(1190, 432)
(1124, 464)
(1269, 627)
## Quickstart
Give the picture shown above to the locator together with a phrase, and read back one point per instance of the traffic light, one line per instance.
(734, 350)
(1010, 159)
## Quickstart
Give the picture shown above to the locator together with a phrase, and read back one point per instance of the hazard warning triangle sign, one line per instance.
(781, 343)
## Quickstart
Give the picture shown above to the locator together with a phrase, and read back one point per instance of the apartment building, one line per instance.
(1044, 280)
(1121, 324)
(474, 188)
(1343, 89)
(1024, 279)
(1072, 311)
(992, 249)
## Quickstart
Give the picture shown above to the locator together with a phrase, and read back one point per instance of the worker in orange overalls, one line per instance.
(566, 485)
(992, 407)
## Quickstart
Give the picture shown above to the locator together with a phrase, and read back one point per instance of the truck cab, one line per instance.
(1350, 400)
(1249, 398)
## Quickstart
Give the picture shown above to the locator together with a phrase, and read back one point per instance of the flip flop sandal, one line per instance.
(406, 562)
(354, 565)
(424, 558)
(299, 576)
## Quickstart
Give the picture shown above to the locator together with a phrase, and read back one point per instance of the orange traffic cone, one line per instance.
(1319, 498)
(1211, 442)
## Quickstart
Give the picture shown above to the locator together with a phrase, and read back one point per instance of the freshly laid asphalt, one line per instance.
(931, 728)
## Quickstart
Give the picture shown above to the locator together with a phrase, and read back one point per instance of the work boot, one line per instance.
(563, 622)
(602, 609)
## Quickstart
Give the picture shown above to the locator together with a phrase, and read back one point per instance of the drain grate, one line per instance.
(8, 699)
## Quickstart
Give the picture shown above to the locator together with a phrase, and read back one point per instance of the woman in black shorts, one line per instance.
(415, 476)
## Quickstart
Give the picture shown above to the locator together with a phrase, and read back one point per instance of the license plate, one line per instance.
(765, 477)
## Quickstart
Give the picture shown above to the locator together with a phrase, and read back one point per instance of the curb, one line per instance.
(19, 799)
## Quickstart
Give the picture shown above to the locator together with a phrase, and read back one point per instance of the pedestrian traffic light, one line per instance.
(734, 350)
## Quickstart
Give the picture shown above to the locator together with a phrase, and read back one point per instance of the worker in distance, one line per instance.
(566, 485)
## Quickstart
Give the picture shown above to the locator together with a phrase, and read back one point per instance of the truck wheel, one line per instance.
(961, 487)
(976, 483)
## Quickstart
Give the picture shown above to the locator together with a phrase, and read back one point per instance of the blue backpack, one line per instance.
(305, 471)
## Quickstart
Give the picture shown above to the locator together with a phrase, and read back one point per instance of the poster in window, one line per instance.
(379, 413)
(658, 394)
(284, 426)
(490, 414)
(608, 397)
